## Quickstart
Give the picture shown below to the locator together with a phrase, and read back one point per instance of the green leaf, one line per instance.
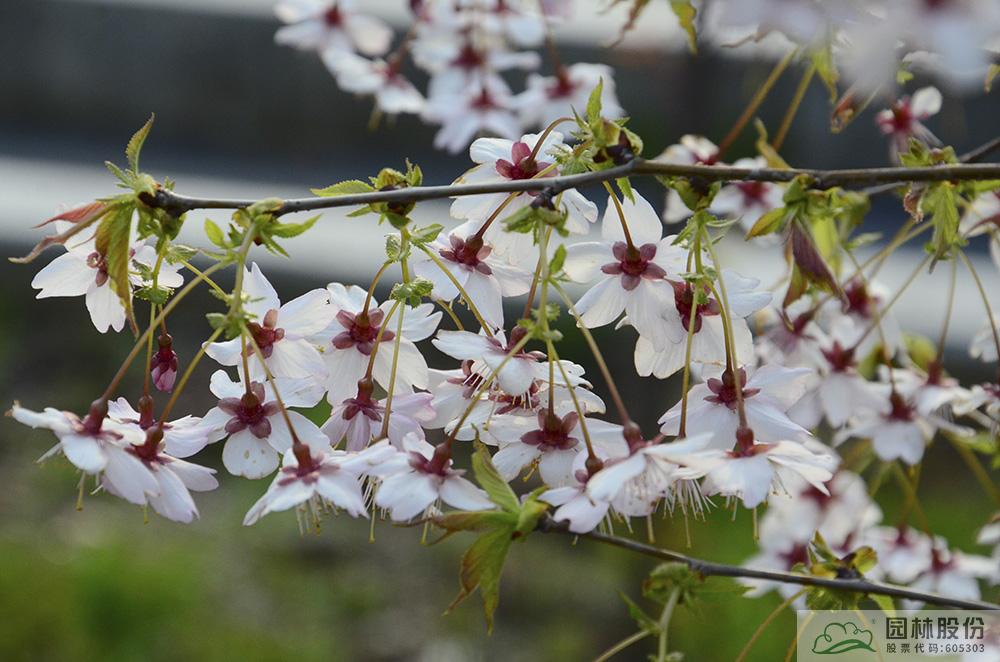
(288, 230)
(426, 234)
(393, 247)
(686, 15)
(941, 202)
(645, 622)
(490, 480)
(770, 223)
(348, 187)
(594, 103)
(214, 234)
(112, 241)
(558, 260)
(481, 566)
(180, 253)
(135, 143)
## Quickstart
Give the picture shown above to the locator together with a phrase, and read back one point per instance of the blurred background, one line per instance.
(238, 116)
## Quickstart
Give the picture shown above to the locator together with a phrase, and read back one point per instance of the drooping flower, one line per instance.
(360, 419)
(318, 476)
(182, 437)
(515, 374)
(708, 345)
(547, 98)
(257, 429)
(552, 442)
(331, 27)
(837, 392)
(83, 270)
(421, 476)
(754, 470)
(905, 119)
(896, 428)
(393, 93)
(769, 392)
(487, 108)
(350, 341)
(633, 274)
(485, 279)
(282, 332)
(505, 160)
(982, 217)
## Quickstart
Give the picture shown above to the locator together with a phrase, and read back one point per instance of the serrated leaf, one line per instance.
(426, 234)
(113, 242)
(135, 143)
(686, 15)
(769, 223)
(393, 247)
(288, 230)
(481, 567)
(490, 480)
(349, 187)
(214, 234)
(645, 622)
(180, 253)
(594, 103)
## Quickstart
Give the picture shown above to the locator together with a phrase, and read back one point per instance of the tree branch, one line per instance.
(711, 569)
(820, 179)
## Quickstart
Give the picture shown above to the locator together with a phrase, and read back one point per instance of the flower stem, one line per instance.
(793, 108)
(616, 397)
(755, 102)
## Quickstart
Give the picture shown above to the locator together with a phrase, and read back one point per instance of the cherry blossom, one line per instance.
(636, 482)
(318, 476)
(257, 429)
(708, 345)
(552, 442)
(393, 93)
(767, 395)
(486, 108)
(182, 437)
(547, 98)
(83, 270)
(88, 442)
(360, 419)
(505, 160)
(331, 27)
(633, 270)
(422, 476)
(163, 364)
(897, 430)
(904, 120)
(837, 391)
(755, 470)
(983, 345)
(350, 340)
(282, 332)
(514, 375)
(484, 279)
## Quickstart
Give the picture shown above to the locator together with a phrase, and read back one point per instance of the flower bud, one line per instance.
(163, 364)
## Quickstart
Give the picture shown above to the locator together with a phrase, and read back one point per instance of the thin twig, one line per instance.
(820, 179)
(711, 569)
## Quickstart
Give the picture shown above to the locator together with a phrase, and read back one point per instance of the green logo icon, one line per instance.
(840, 638)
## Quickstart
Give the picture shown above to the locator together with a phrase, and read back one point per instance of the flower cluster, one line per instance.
(792, 394)
(464, 48)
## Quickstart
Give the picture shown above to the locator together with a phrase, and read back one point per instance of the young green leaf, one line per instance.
(112, 242)
(348, 187)
(135, 143)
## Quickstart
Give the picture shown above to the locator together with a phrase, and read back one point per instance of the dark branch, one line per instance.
(819, 179)
(710, 569)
